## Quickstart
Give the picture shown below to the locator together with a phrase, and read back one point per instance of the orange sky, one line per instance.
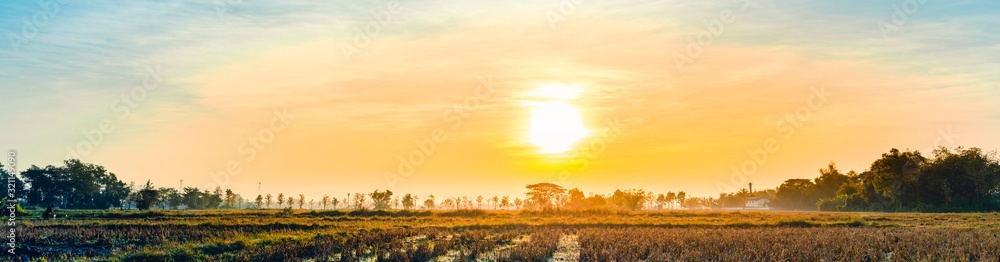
(850, 96)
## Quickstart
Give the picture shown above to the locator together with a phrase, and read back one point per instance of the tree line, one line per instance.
(952, 180)
(959, 180)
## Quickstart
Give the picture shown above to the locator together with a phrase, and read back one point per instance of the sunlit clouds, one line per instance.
(556, 90)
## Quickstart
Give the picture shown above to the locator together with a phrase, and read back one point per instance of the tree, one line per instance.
(147, 196)
(829, 182)
(576, 199)
(795, 194)
(13, 180)
(192, 198)
(543, 194)
(408, 202)
(281, 199)
(259, 201)
(359, 201)
(267, 200)
(429, 202)
(661, 200)
(964, 180)
(479, 202)
(230, 199)
(173, 198)
(518, 203)
(670, 198)
(681, 197)
(505, 202)
(891, 174)
(325, 201)
(215, 198)
(630, 199)
(312, 203)
(381, 199)
(75, 185)
(302, 200)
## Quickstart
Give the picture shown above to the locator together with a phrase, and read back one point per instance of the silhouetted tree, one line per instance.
(630, 199)
(543, 194)
(147, 196)
(795, 194)
(75, 185)
(281, 199)
(359, 201)
(681, 197)
(302, 200)
(380, 200)
(408, 202)
(429, 202)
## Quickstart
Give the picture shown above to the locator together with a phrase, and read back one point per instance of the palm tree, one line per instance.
(326, 200)
(281, 199)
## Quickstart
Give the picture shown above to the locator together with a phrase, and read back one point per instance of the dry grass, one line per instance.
(405, 236)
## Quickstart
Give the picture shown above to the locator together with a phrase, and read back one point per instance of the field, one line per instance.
(274, 235)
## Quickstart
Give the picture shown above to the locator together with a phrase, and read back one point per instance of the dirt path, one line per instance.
(568, 249)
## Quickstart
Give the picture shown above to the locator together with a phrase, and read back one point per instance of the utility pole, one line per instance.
(182, 185)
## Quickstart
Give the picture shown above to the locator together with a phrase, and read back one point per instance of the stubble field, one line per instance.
(273, 235)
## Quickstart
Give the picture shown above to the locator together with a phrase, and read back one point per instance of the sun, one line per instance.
(555, 124)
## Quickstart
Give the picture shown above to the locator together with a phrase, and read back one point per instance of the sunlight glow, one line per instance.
(555, 124)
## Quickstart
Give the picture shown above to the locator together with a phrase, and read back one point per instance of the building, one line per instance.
(758, 203)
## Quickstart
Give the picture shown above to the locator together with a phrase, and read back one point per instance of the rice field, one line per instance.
(269, 235)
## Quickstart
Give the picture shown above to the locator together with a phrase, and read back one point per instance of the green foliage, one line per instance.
(74, 185)
(796, 194)
(963, 180)
(18, 209)
(147, 197)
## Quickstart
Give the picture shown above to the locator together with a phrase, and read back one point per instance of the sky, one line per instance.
(484, 97)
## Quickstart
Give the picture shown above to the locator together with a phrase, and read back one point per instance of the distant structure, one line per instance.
(758, 203)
